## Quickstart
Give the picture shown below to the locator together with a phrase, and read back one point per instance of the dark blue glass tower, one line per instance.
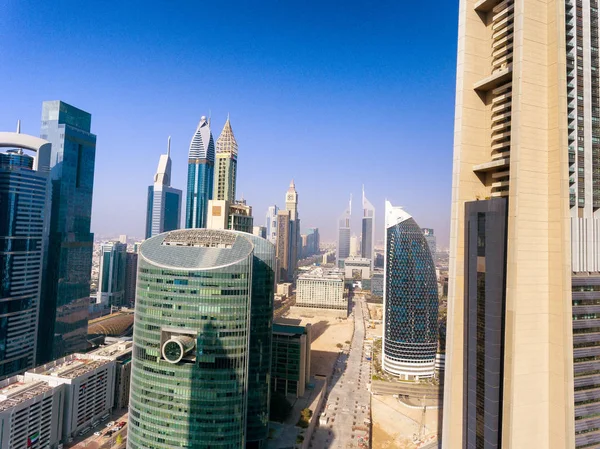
(23, 232)
(410, 299)
(64, 307)
(201, 163)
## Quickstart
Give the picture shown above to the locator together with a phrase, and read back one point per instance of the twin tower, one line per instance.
(211, 175)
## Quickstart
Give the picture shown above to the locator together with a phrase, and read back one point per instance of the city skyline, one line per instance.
(267, 93)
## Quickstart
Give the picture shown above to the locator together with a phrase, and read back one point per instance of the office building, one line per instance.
(111, 280)
(271, 224)
(295, 243)
(123, 239)
(322, 289)
(31, 412)
(290, 367)
(431, 242)
(130, 278)
(225, 215)
(354, 246)
(24, 221)
(343, 241)
(524, 218)
(312, 242)
(120, 353)
(225, 165)
(260, 231)
(282, 247)
(201, 162)
(377, 283)
(410, 299)
(163, 209)
(196, 337)
(368, 229)
(359, 267)
(66, 293)
(88, 389)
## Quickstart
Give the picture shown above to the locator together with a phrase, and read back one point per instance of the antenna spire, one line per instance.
(18, 126)
(169, 147)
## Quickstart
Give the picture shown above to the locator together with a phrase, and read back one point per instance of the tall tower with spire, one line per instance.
(164, 202)
(368, 228)
(343, 243)
(201, 164)
(225, 165)
(291, 204)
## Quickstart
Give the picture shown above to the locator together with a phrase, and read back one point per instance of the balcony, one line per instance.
(485, 5)
(494, 80)
(492, 165)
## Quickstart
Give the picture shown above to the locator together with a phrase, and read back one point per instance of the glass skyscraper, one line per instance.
(368, 229)
(111, 279)
(65, 299)
(163, 212)
(192, 340)
(201, 162)
(343, 241)
(24, 216)
(410, 299)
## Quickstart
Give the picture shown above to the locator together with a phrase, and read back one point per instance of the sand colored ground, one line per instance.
(327, 332)
(374, 330)
(394, 424)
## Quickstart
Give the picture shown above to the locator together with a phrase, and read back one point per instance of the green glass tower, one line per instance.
(192, 339)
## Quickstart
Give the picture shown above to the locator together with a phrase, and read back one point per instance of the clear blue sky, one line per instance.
(332, 94)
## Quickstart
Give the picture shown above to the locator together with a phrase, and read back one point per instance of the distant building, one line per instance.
(163, 212)
(282, 246)
(201, 161)
(291, 204)
(354, 246)
(312, 242)
(357, 265)
(410, 300)
(131, 260)
(377, 283)
(225, 215)
(24, 220)
(322, 289)
(66, 282)
(430, 238)
(225, 165)
(89, 389)
(120, 353)
(260, 231)
(368, 230)
(123, 239)
(271, 224)
(111, 281)
(290, 367)
(285, 289)
(31, 412)
(343, 241)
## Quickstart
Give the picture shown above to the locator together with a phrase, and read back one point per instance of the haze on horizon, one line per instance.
(331, 97)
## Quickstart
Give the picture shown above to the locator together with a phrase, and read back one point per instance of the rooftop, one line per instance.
(17, 389)
(321, 273)
(69, 367)
(197, 249)
(115, 325)
(114, 351)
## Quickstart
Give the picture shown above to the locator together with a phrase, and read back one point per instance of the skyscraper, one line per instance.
(24, 221)
(368, 229)
(282, 246)
(201, 161)
(66, 284)
(410, 299)
(291, 204)
(111, 280)
(225, 165)
(271, 224)
(525, 108)
(343, 241)
(312, 241)
(223, 214)
(431, 241)
(131, 260)
(164, 202)
(192, 362)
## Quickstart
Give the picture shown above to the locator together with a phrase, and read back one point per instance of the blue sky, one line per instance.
(333, 94)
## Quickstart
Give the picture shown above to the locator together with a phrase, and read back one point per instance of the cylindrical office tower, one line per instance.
(410, 299)
(261, 338)
(189, 385)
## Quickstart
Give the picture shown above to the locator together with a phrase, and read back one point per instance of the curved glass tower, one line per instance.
(189, 385)
(410, 299)
(201, 165)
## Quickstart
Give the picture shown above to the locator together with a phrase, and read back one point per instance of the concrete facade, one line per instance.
(321, 289)
(120, 353)
(510, 142)
(361, 264)
(290, 365)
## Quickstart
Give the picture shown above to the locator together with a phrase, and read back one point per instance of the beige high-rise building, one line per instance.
(225, 165)
(521, 103)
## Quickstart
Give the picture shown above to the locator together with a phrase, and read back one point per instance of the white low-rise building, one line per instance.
(31, 413)
(89, 384)
(322, 289)
(120, 352)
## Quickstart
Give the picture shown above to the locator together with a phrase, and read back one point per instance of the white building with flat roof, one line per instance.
(31, 413)
(120, 352)
(322, 289)
(89, 383)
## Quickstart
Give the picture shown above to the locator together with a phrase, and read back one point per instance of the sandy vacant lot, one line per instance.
(394, 424)
(327, 332)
